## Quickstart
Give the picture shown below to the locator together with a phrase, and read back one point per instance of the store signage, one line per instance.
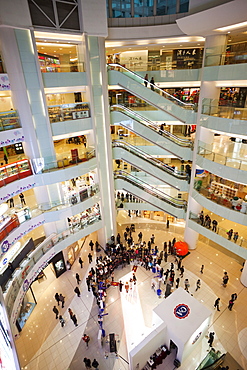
(5, 246)
(4, 82)
(181, 311)
(17, 191)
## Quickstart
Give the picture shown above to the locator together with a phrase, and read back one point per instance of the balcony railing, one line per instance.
(14, 284)
(213, 58)
(220, 231)
(237, 163)
(62, 161)
(66, 112)
(31, 212)
(9, 120)
(224, 108)
(219, 199)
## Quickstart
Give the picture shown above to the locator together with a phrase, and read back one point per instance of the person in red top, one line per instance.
(86, 339)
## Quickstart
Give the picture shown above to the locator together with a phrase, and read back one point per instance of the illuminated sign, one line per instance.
(181, 311)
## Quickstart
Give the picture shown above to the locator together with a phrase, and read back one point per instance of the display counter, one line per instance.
(14, 171)
(8, 225)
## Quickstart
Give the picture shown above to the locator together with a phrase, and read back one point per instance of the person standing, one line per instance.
(120, 286)
(80, 262)
(152, 84)
(90, 258)
(77, 291)
(217, 303)
(61, 320)
(5, 158)
(235, 237)
(127, 286)
(95, 364)
(86, 339)
(146, 80)
(225, 279)
(87, 363)
(22, 199)
(74, 319)
(57, 298)
(186, 285)
(91, 244)
(177, 282)
(181, 271)
(230, 304)
(77, 276)
(198, 284)
(234, 296)
(214, 223)
(140, 237)
(61, 298)
(55, 310)
(202, 268)
(211, 338)
(167, 223)
(11, 203)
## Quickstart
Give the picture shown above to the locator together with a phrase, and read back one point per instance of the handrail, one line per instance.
(224, 108)
(143, 120)
(167, 95)
(220, 231)
(240, 164)
(12, 289)
(178, 203)
(147, 157)
(31, 212)
(219, 199)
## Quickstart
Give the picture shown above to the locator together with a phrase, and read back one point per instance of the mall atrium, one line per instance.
(116, 113)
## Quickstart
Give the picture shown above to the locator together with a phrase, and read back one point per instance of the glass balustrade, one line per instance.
(220, 231)
(178, 203)
(27, 213)
(65, 112)
(148, 158)
(134, 76)
(9, 120)
(224, 108)
(213, 58)
(219, 199)
(15, 283)
(76, 157)
(232, 162)
(144, 121)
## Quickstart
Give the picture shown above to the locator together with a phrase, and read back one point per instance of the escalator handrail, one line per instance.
(139, 117)
(169, 96)
(155, 162)
(178, 203)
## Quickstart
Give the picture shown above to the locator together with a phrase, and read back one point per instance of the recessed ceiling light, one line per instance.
(228, 32)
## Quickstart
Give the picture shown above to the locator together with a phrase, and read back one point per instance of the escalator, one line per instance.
(133, 83)
(145, 162)
(150, 131)
(147, 193)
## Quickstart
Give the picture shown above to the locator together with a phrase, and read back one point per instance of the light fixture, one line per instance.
(231, 27)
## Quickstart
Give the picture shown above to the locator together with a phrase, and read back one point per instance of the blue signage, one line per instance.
(181, 311)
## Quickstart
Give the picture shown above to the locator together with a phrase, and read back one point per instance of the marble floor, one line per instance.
(43, 344)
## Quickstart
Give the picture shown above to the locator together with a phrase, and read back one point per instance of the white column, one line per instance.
(208, 90)
(243, 277)
(98, 82)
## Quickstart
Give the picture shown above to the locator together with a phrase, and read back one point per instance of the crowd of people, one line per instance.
(131, 249)
(205, 220)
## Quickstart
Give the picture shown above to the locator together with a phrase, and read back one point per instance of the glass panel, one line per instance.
(143, 8)
(121, 8)
(161, 7)
(184, 6)
(171, 6)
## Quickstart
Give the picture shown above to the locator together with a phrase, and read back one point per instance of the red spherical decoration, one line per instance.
(182, 248)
